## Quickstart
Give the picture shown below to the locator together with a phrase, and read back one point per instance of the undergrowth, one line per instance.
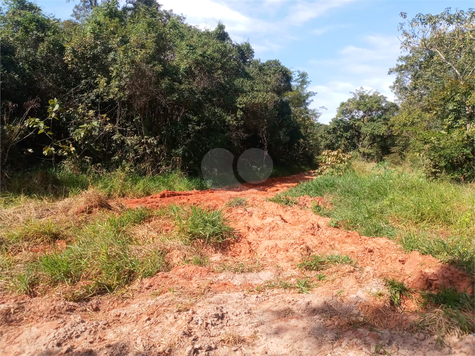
(206, 225)
(448, 312)
(60, 183)
(432, 217)
(103, 254)
(397, 291)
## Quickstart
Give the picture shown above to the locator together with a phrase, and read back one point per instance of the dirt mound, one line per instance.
(268, 310)
(287, 234)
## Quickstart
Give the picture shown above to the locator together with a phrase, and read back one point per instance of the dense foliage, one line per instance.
(362, 124)
(435, 85)
(432, 124)
(137, 86)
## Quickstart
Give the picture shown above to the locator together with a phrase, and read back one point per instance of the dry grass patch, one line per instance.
(233, 338)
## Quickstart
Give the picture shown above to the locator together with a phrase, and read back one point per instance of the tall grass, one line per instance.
(206, 225)
(58, 184)
(103, 253)
(433, 217)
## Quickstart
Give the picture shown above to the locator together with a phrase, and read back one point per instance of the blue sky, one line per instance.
(341, 44)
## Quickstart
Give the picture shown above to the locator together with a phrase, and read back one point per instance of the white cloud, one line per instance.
(304, 11)
(243, 21)
(333, 93)
(203, 9)
(266, 46)
(205, 14)
(210, 13)
(365, 67)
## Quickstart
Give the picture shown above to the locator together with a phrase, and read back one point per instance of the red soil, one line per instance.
(284, 235)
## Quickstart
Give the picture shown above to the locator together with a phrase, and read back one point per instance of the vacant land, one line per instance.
(259, 269)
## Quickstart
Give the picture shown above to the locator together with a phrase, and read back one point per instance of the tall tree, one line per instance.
(435, 85)
(362, 123)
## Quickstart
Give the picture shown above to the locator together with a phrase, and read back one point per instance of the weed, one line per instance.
(60, 267)
(453, 313)
(237, 202)
(447, 321)
(283, 200)
(279, 284)
(157, 293)
(380, 350)
(38, 231)
(321, 277)
(233, 339)
(321, 262)
(102, 253)
(182, 307)
(197, 260)
(397, 290)
(25, 282)
(303, 285)
(207, 225)
(151, 262)
(84, 292)
(334, 223)
(321, 210)
(450, 298)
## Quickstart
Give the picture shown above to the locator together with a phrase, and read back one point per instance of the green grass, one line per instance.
(397, 290)
(39, 231)
(450, 298)
(206, 225)
(60, 184)
(104, 253)
(303, 285)
(432, 217)
(321, 262)
(283, 200)
(453, 313)
(237, 202)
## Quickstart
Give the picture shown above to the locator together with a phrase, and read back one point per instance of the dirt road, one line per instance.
(251, 299)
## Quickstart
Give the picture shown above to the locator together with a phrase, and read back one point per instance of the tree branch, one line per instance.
(447, 62)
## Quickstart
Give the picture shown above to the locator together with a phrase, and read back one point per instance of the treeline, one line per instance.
(432, 127)
(137, 86)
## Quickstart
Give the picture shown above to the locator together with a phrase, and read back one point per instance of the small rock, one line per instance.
(420, 336)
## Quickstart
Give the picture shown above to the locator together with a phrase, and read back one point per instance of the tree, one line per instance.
(84, 8)
(362, 123)
(136, 86)
(435, 86)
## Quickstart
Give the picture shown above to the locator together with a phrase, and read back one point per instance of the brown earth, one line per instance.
(194, 310)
